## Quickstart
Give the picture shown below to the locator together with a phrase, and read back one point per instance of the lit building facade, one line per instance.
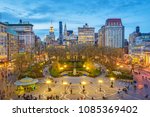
(49, 39)
(112, 34)
(101, 37)
(86, 35)
(3, 42)
(26, 36)
(8, 43)
(139, 44)
(147, 55)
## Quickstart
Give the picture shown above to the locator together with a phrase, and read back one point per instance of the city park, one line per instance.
(80, 72)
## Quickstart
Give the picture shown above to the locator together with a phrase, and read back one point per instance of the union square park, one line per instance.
(74, 73)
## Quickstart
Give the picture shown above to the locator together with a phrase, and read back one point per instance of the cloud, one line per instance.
(77, 12)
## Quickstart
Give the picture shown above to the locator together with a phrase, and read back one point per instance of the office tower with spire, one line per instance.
(70, 38)
(51, 32)
(49, 39)
(65, 31)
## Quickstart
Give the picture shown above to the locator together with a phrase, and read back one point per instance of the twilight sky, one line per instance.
(75, 13)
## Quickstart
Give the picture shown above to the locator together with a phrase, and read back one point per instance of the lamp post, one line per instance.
(100, 87)
(83, 83)
(65, 84)
(48, 82)
(112, 82)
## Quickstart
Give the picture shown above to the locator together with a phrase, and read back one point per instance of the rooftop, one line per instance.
(114, 22)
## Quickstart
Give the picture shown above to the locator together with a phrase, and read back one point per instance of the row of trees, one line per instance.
(104, 55)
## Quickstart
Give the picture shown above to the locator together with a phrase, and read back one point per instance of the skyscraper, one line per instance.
(60, 33)
(65, 30)
(51, 37)
(112, 33)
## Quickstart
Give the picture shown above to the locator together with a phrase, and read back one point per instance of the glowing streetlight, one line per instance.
(112, 79)
(48, 82)
(118, 64)
(61, 68)
(112, 82)
(100, 82)
(65, 66)
(87, 68)
(83, 83)
(65, 84)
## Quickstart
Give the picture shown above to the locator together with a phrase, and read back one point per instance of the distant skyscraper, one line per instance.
(86, 34)
(51, 37)
(51, 32)
(65, 30)
(60, 33)
(112, 33)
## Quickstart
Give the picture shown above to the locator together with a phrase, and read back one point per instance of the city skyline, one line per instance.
(95, 13)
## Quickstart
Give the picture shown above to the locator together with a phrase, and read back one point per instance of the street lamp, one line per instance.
(83, 83)
(87, 68)
(100, 82)
(118, 64)
(65, 66)
(112, 82)
(65, 84)
(61, 68)
(48, 82)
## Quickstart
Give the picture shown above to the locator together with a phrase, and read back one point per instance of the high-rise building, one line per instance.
(96, 39)
(8, 42)
(65, 31)
(60, 33)
(139, 44)
(49, 39)
(86, 34)
(126, 46)
(70, 38)
(112, 34)
(101, 36)
(26, 36)
(12, 43)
